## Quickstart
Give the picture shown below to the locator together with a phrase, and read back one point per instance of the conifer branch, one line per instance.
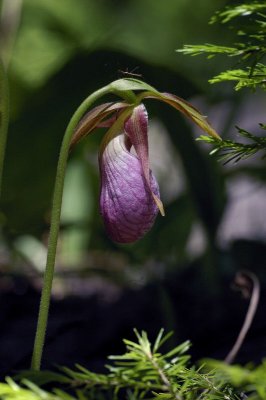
(228, 150)
(143, 372)
(250, 52)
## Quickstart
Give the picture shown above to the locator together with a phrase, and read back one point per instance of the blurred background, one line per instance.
(177, 277)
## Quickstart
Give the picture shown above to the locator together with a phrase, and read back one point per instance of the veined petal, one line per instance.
(126, 201)
(136, 128)
(95, 118)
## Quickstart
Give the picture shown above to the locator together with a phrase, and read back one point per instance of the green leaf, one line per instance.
(181, 349)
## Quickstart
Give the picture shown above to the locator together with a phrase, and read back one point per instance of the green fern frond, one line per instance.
(251, 51)
(241, 50)
(242, 10)
(211, 49)
(228, 150)
(245, 78)
(144, 371)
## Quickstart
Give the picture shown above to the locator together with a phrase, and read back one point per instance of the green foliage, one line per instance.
(239, 11)
(248, 379)
(252, 31)
(143, 372)
(228, 150)
(29, 391)
(251, 77)
(250, 26)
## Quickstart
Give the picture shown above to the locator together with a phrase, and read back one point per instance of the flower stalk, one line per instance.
(54, 227)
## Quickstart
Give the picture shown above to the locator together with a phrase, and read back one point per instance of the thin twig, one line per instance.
(243, 280)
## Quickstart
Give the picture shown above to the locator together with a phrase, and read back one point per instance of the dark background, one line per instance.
(179, 276)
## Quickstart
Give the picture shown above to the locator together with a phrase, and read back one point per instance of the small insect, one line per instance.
(130, 73)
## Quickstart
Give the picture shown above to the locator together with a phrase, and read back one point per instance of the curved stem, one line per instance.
(55, 223)
(242, 281)
(4, 117)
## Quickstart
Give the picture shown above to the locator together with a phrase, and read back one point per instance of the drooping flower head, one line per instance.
(129, 193)
(129, 198)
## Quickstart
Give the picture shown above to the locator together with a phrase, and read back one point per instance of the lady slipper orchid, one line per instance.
(129, 194)
(129, 198)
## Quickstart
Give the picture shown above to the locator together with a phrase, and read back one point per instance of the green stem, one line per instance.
(4, 118)
(55, 224)
(128, 95)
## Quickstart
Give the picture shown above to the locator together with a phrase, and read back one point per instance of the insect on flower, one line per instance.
(131, 73)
